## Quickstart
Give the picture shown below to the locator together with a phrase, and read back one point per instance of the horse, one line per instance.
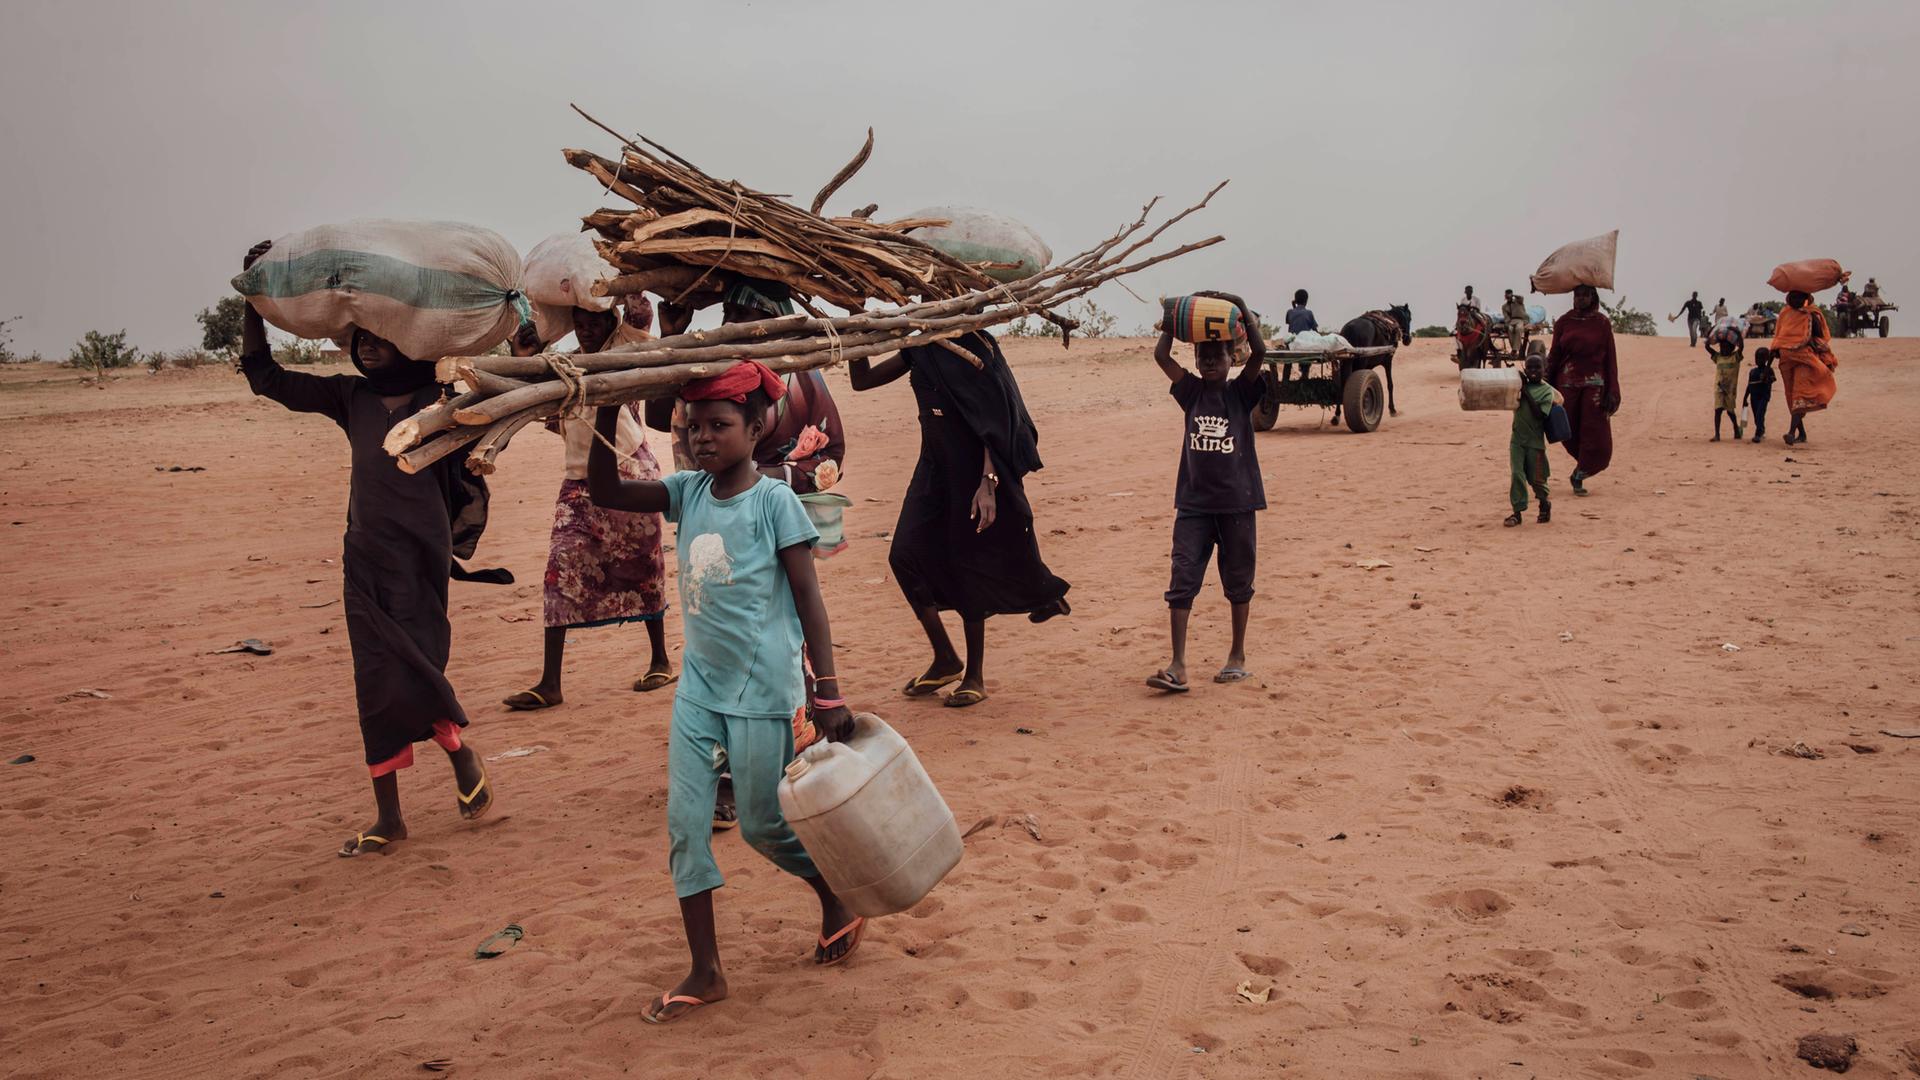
(1474, 333)
(1375, 328)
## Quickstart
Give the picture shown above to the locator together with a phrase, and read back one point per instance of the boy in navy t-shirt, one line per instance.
(1218, 488)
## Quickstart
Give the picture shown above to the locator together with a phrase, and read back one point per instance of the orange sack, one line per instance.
(1807, 275)
(1806, 362)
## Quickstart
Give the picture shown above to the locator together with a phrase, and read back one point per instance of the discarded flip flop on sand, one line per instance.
(359, 845)
(248, 645)
(500, 942)
(962, 699)
(655, 680)
(851, 931)
(1167, 681)
(526, 701)
(668, 1001)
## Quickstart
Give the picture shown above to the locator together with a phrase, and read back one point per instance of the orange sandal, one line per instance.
(668, 999)
(820, 952)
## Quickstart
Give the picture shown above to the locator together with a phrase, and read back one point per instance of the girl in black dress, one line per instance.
(965, 539)
(403, 532)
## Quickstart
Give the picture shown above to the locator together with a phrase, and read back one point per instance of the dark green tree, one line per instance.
(220, 325)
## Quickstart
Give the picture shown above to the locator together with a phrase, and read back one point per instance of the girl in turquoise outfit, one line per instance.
(750, 602)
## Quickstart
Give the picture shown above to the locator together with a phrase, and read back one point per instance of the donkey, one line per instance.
(1370, 330)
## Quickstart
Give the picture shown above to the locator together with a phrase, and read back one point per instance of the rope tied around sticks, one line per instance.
(569, 375)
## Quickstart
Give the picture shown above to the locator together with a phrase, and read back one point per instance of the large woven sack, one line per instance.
(977, 236)
(562, 269)
(1807, 275)
(1202, 318)
(432, 288)
(1583, 262)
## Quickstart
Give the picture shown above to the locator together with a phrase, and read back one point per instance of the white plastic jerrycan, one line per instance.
(871, 818)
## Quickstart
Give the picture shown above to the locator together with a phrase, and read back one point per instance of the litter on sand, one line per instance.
(508, 936)
(87, 692)
(1246, 992)
(1566, 635)
(1800, 750)
(1901, 734)
(246, 645)
(1374, 564)
(518, 751)
(1728, 646)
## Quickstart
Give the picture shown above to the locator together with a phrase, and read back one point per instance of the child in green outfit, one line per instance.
(1527, 450)
(749, 602)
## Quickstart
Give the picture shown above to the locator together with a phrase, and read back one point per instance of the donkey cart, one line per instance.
(1348, 380)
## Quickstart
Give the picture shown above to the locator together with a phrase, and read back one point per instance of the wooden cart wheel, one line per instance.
(1886, 325)
(1364, 401)
(1267, 412)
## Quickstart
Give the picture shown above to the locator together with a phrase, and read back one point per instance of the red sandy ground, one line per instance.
(1559, 859)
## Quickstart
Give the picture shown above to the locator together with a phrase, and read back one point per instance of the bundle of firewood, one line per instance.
(505, 393)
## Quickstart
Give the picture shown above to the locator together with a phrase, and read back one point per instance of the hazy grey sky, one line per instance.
(1378, 151)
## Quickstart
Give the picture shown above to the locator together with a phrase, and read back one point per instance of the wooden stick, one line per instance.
(420, 457)
(429, 421)
(846, 173)
(480, 461)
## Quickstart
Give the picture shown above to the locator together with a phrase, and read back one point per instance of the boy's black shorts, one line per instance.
(1194, 538)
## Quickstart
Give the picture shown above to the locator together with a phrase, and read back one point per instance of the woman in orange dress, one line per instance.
(1806, 362)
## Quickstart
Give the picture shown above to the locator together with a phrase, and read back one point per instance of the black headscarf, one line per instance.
(401, 378)
(467, 494)
(987, 399)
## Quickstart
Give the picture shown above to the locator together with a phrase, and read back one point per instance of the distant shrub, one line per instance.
(298, 353)
(100, 353)
(1628, 320)
(1433, 331)
(7, 355)
(183, 359)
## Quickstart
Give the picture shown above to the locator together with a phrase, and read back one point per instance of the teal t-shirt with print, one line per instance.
(743, 640)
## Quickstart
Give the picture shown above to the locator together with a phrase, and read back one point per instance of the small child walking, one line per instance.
(1527, 449)
(750, 603)
(1727, 345)
(1759, 391)
(1217, 491)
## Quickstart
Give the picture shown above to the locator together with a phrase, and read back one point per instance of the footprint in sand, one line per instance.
(1472, 905)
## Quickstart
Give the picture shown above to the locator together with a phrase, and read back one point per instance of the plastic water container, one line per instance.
(1489, 388)
(871, 818)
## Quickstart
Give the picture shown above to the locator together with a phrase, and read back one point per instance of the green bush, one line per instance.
(7, 355)
(99, 353)
(1433, 331)
(1627, 320)
(298, 353)
(184, 359)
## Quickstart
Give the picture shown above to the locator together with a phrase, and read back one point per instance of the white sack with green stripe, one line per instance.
(433, 288)
(981, 236)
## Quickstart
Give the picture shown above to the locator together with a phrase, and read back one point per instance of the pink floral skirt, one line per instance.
(604, 566)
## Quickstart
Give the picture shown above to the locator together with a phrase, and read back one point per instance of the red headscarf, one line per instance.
(735, 383)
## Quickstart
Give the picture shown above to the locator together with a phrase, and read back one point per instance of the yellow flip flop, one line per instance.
(353, 850)
(655, 680)
(923, 686)
(466, 799)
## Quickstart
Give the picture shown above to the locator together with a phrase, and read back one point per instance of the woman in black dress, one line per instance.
(403, 532)
(965, 539)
